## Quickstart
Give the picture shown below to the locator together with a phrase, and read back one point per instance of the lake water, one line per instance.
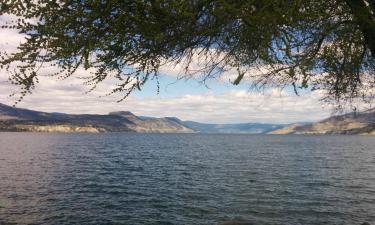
(122, 178)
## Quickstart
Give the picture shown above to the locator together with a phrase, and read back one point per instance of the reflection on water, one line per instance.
(185, 179)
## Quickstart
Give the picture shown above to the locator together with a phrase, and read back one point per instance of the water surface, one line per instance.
(125, 178)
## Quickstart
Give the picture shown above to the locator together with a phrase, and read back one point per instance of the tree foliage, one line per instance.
(316, 44)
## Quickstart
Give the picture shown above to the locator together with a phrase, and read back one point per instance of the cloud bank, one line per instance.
(228, 106)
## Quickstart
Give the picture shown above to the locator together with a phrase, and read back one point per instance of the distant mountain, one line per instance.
(16, 119)
(237, 128)
(245, 128)
(351, 123)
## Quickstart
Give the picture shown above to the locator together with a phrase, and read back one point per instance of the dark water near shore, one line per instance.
(186, 179)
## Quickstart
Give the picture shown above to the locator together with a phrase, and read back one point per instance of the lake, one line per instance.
(123, 178)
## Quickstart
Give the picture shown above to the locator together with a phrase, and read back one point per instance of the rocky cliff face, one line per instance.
(15, 119)
(352, 123)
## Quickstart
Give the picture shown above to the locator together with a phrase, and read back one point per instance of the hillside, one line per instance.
(351, 123)
(16, 119)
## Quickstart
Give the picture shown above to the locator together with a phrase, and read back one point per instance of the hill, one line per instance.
(351, 123)
(16, 119)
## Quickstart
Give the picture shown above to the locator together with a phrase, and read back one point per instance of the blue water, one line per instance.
(125, 178)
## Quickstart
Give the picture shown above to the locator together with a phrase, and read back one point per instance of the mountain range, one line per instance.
(17, 119)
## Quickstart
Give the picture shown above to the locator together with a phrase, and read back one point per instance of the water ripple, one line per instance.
(186, 179)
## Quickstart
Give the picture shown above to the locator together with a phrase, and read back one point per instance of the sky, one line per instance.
(219, 101)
